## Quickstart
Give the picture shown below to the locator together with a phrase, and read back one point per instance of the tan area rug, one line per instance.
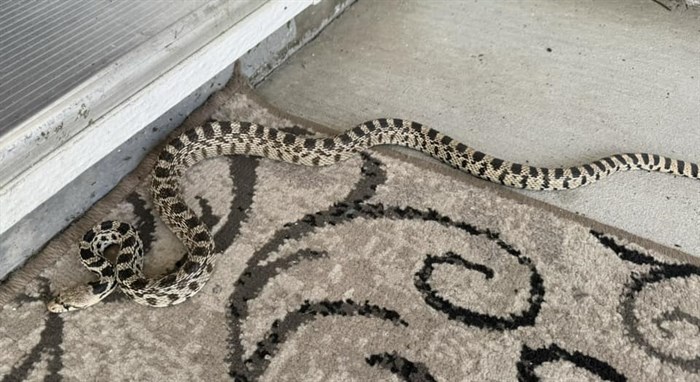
(380, 268)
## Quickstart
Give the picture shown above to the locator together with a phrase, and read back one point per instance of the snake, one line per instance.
(219, 138)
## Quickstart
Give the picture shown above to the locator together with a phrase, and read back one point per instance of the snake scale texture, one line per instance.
(242, 138)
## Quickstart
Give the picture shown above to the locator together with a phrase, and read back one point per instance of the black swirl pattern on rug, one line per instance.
(146, 225)
(257, 363)
(254, 277)
(49, 345)
(208, 216)
(530, 359)
(401, 367)
(355, 205)
(242, 170)
(472, 318)
(659, 272)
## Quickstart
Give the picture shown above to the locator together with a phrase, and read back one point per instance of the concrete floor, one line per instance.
(545, 83)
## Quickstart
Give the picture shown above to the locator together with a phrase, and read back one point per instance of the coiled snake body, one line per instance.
(232, 138)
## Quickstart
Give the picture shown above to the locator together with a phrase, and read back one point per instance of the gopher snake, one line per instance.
(232, 138)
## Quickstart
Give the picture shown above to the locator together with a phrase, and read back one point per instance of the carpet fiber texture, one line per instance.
(384, 267)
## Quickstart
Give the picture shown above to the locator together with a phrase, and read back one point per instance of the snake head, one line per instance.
(72, 299)
(59, 305)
